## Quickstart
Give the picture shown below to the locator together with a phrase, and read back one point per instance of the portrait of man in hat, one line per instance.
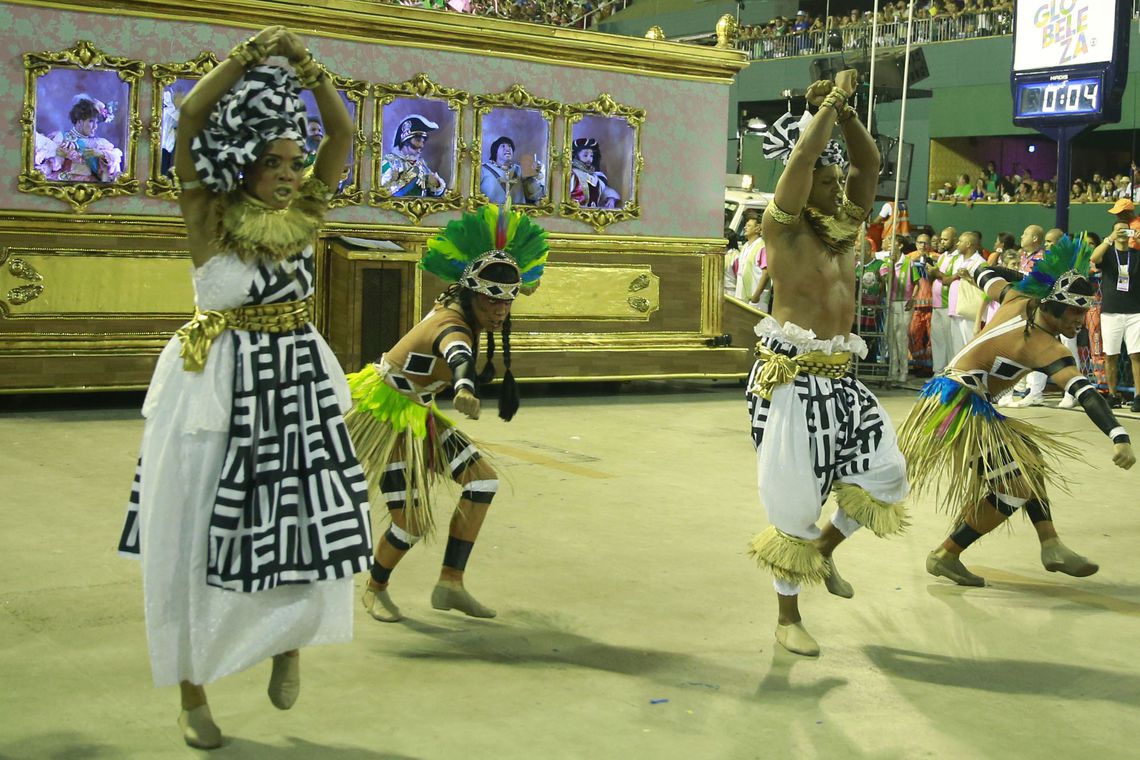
(589, 185)
(403, 171)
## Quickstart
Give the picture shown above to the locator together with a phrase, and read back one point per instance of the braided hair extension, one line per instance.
(487, 374)
(509, 394)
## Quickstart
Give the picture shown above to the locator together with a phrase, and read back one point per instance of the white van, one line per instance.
(739, 199)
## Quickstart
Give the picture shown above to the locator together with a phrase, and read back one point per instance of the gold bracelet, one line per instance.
(847, 114)
(248, 53)
(837, 99)
(309, 72)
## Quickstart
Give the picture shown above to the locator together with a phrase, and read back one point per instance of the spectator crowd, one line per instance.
(993, 187)
(935, 21)
(579, 14)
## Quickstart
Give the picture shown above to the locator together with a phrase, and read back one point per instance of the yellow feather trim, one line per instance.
(881, 517)
(793, 559)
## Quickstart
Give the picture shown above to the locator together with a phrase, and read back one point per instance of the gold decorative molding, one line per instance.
(84, 55)
(419, 86)
(19, 294)
(160, 185)
(356, 91)
(103, 283)
(593, 293)
(516, 97)
(401, 26)
(600, 218)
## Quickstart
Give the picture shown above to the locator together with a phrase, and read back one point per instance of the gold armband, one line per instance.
(781, 216)
(248, 53)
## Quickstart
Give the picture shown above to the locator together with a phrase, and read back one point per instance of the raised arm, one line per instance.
(1099, 252)
(194, 198)
(794, 186)
(863, 175)
(339, 129)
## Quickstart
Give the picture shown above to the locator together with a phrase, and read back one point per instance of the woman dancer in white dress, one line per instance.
(249, 508)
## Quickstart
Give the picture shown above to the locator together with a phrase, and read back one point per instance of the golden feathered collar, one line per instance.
(838, 233)
(254, 230)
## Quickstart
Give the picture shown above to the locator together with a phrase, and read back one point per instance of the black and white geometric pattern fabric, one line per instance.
(783, 134)
(292, 500)
(843, 420)
(265, 105)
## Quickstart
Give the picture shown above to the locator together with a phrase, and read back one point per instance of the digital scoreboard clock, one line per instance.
(1070, 64)
(1058, 98)
(1067, 62)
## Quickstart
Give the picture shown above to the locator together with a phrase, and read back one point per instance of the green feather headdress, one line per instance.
(1066, 262)
(459, 252)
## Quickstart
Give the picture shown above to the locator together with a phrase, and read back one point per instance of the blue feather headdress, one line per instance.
(490, 235)
(1066, 262)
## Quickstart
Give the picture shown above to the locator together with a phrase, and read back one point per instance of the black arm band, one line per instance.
(989, 274)
(448, 331)
(462, 363)
(1054, 367)
(1097, 409)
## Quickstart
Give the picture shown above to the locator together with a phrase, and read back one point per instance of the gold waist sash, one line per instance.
(779, 369)
(199, 333)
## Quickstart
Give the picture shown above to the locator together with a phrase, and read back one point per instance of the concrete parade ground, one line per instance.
(632, 623)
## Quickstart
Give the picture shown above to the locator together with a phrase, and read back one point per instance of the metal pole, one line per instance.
(898, 181)
(871, 63)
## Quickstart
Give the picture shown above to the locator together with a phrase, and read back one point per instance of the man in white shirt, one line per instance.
(748, 267)
(968, 260)
(940, 341)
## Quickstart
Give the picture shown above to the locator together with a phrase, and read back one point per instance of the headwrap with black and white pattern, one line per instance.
(785, 132)
(265, 105)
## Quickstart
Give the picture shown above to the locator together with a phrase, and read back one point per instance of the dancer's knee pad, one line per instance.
(400, 538)
(480, 491)
(1004, 503)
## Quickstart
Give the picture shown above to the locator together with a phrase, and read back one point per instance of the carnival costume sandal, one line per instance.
(1058, 558)
(450, 595)
(199, 729)
(285, 680)
(380, 606)
(795, 638)
(834, 581)
(943, 563)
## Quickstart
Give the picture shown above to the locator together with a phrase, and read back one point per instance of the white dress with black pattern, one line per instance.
(249, 509)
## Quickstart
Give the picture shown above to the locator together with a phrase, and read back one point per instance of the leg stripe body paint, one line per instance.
(480, 491)
(457, 553)
(379, 573)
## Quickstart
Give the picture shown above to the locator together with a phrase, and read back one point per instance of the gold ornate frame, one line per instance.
(356, 91)
(419, 86)
(518, 98)
(160, 185)
(84, 55)
(600, 218)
